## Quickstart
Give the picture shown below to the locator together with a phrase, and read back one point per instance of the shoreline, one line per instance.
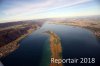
(12, 46)
(95, 30)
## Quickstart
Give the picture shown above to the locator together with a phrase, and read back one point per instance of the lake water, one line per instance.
(76, 43)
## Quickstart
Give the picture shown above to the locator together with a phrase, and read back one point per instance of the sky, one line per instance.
(16, 10)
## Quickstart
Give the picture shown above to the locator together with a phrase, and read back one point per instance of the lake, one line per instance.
(76, 43)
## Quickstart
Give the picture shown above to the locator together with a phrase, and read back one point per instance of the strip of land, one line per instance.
(11, 33)
(13, 37)
(55, 46)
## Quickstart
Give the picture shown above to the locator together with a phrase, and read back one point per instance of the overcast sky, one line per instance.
(15, 10)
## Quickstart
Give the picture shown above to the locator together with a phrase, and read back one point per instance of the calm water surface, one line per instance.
(76, 43)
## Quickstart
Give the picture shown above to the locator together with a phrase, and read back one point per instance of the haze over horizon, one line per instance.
(16, 10)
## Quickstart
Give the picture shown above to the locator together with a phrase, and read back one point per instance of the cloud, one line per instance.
(40, 9)
(41, 6)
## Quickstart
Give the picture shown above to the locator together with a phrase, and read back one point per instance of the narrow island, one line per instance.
(55, 47)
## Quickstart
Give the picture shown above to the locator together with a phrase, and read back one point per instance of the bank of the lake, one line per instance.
(12, 46)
